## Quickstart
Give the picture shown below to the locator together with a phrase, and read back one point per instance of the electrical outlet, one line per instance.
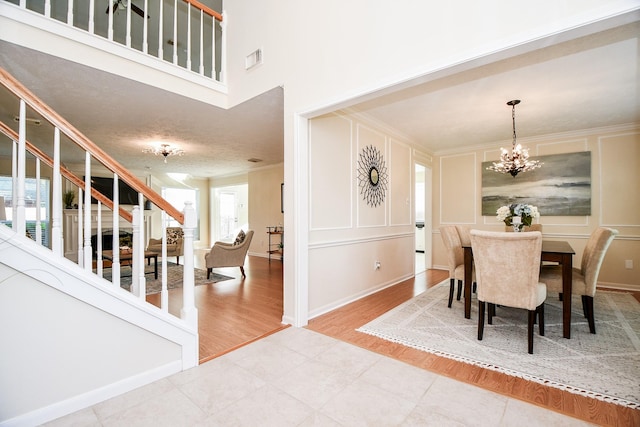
(376, 265)
(628, 264)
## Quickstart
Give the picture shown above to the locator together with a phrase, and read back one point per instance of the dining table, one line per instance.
(552, 250)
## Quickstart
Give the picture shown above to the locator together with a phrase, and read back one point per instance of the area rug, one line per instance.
(604, 366)
(174, 277)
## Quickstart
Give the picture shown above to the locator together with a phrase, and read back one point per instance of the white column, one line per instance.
(189, 312)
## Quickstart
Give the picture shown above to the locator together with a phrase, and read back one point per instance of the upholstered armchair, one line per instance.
(224, 254)
(507, 273)
(174, 243)
(585, 278)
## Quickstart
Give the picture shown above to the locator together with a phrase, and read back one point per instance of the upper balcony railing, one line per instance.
(186, 33)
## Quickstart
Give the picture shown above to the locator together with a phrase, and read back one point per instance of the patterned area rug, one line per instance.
(604, 366)
(174, 277)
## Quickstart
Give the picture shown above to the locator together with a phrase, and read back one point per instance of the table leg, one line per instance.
(468, 279)
(155, 266)
(567, 268)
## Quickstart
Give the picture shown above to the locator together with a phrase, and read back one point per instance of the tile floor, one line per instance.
(297, 377)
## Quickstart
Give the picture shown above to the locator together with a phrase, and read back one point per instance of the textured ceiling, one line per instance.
(585, 83)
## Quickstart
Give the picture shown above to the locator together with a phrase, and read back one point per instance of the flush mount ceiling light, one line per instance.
(517, 160)
(165, 150)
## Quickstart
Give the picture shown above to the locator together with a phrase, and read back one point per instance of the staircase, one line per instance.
(70, 337)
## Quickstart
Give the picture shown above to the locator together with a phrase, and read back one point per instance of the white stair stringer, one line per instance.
(71, 339)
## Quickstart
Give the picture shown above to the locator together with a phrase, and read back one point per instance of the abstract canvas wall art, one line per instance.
(562, 186)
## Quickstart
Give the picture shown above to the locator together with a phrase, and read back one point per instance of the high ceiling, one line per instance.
(585, 83)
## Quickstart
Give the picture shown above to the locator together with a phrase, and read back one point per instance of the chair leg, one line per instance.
(452, 288)
(532, 316)
(208, 273)
(459, 289)
(474, 288)
(480, 319)
(178, 260)
(584, 306)
(540, 311)
(242, 271)
(492, 312)
(587, 306)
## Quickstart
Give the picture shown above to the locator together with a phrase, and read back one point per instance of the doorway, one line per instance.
(230, 212)
(420, 217)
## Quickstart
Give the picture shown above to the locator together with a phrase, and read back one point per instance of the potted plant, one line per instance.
(67, 199)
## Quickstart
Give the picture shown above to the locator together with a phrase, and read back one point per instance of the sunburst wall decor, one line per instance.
(372, 176)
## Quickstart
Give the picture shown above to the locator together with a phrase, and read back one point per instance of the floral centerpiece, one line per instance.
(517, 215)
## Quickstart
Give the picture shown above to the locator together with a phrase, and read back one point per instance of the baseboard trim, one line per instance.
(85, 400)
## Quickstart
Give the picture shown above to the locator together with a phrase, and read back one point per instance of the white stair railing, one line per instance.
(189, 49)
(86, 223)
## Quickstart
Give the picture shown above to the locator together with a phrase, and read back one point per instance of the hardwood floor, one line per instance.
(236, 312)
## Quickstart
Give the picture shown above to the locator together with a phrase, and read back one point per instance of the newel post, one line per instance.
(189, 312)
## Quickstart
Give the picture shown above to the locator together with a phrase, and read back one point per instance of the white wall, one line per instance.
(69, 342)
(330, 54)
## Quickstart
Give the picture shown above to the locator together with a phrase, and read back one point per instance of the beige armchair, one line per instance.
(228, 254)
(174, 243)
(507, 272)
(585, 278)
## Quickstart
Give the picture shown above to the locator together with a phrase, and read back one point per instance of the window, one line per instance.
(177, 197)
(6, 191)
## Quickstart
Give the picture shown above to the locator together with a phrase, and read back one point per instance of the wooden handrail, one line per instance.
(86, 144)
(205, 9)
(65, 172)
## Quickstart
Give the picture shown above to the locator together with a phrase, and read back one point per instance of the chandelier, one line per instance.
(517, 160)
(165, 150)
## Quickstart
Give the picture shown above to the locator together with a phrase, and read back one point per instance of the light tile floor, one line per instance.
(297, 377)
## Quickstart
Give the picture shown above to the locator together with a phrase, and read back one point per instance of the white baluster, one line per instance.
(160, 31)
(92, 12)
(57, 240)
(87, 212)
(115, 263)
(145, 25)
(128, 24)
(70, 12)
(47, 8)
(99, 241)
(19, 218)
(188, 37)
(38, 231)
(137, 285)
(140, 244)
(223, 44)
(213, 49)
(80, 229)
(175, 31)
(201, 42)
(164, 295)
(110, 29)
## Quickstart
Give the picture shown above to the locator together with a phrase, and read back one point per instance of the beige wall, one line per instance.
(264, 206)
(615, 196)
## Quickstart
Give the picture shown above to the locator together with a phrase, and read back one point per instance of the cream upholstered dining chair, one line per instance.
(174, 243)
(507, 272)
(455, 259)
(224, 254)
(585, 278)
